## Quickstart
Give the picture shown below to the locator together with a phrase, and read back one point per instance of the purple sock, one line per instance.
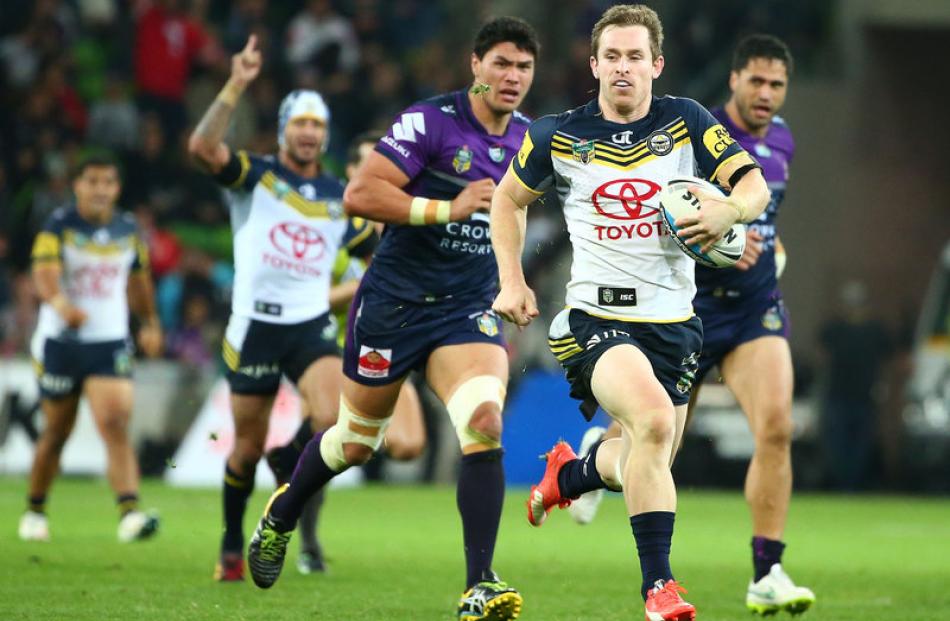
(480, 495)
(580, 475)
(310, 476)
(765, 553)
(654, 534)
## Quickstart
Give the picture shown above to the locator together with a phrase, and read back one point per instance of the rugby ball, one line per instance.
(676, 201)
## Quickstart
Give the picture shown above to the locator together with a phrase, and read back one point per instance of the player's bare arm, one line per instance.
(46, 278)
(376, 193)
(206, 143)
(745, 203)
(509, 212)
(142, 303)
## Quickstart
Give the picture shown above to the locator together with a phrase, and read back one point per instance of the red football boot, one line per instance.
(546, 494)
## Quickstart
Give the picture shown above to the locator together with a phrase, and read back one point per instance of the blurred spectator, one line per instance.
(858, 347)
(114, 119)
(322, 40)
(168, 43)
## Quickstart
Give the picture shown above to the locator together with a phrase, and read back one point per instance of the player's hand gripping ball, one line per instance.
(677, 201)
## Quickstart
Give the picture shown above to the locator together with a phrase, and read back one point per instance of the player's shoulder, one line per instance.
(567, 121)
(124, 222)
(62, 217)
(674, 105)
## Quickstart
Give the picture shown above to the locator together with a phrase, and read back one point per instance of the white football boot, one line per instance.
(136, 525)
(34, 527)
(585, 507)
(776, 591)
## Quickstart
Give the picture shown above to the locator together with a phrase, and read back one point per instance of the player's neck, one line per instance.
(310, 169)
(96, 218)
(733, 111)
(612, 114)
(494, 124)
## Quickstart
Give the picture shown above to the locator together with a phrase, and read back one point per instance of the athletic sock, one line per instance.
(36, 504)
(127, 503)
(480, 494)
(237, 489)
(307, 525)
(310, 476)
(303, 435)
(653, 532)
(765, 553)
(580, 475)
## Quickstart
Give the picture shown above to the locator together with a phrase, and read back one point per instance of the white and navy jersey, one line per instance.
(96, 260)
(608, 178)
(287, 231)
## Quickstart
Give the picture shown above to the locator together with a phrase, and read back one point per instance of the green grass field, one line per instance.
(395, 554)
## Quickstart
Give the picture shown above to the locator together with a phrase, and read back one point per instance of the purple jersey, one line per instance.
(441, 147)
(774, 153)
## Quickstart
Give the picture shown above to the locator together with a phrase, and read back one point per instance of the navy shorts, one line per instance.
(726, 326)
(62, 366)
(578, 340)
(257, 353)
(386, 338)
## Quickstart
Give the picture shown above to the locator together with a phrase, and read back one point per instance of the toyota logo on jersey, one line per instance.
(298, 241)
(623, 199)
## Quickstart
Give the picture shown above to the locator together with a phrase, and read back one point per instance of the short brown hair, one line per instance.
(629, 15)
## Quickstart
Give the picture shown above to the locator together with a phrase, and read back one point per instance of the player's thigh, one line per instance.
(320, 387)
(450, 366)
(759, 374)
(371, 401)
(624, 384)
(110, 400)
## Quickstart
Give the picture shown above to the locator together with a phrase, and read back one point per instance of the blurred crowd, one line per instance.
(133, 76)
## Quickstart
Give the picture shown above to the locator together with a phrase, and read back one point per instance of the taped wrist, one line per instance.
(425, 211)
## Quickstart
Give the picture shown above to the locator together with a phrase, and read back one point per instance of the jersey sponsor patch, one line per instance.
(374, 362)
(408, 125)
(717, 140)
(615, 296)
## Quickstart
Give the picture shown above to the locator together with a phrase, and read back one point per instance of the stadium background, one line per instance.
(864, 222)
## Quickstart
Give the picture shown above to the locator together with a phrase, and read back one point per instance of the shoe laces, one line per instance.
(273, 544)
(667, 592)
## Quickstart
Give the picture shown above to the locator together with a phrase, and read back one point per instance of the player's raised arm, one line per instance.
(509, 211)
(206, 143)
(376, 193)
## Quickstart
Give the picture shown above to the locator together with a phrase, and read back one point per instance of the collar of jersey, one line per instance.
(593, 109)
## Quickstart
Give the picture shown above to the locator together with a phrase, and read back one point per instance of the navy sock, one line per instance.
(303, 435)
(480, 495)
(765, 553)
(237, 489)
(654, 533)
(310, 476)
(580, 475)
(127, 503)
(37, 504)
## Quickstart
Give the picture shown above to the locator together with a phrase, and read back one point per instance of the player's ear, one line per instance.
(733, 80)
(476, 64)
(593, 67)
(658, 65)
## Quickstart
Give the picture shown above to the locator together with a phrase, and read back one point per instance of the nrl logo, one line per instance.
(583, 151)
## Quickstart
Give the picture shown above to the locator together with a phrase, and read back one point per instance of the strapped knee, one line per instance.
(351, 428)
(465, 401)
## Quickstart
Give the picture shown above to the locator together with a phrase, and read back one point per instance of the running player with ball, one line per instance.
(628, 339)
